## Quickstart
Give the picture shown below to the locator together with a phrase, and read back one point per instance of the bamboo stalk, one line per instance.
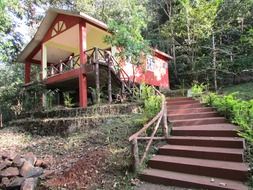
(146, 126)
(135, 153)
(151, 140)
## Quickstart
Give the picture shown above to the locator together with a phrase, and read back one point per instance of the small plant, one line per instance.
(152, 102)
(198, 89)
(68, 100)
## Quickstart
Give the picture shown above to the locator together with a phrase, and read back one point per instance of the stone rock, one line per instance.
(12, 155)
(18, 161)
(47, 174)
(5, 181)
(16, 182)
(28, 170)
(30, 157)
(5, 164)
(9, 155)
(8, 172)
(41, 163)
(29, 184)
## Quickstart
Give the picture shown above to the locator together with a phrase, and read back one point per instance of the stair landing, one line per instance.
(203, 151)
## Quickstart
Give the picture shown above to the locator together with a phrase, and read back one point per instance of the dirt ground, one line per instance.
(96, 159)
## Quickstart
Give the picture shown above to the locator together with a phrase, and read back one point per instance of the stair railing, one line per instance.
(104, 57)
(160, 118)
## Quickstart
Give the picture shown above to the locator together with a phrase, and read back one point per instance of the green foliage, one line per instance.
(68, 100)
(238, 111)
(243, 91)
(10, 39)
(198, 89)
(127, 32)
(152, 102)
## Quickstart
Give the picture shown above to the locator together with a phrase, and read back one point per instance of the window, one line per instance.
(150, 63)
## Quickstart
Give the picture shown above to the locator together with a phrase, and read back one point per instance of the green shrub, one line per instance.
(236, 110)
(152, 102)
(198, 89)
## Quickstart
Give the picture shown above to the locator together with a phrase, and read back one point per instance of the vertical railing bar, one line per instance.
(97, 76)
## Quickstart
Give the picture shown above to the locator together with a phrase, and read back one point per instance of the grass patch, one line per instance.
(245, 90)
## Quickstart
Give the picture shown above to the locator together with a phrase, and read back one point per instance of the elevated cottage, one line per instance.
(69, 47)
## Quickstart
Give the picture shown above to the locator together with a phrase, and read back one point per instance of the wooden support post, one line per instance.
(44, 61)
(135, 154)
(122, 87)
(27, 72)
(97, 76)
(83, 59)
(109, 83)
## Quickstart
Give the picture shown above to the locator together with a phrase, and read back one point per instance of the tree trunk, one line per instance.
(214, 64)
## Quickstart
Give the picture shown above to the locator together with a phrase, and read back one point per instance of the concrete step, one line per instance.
(225, 142)
(192, 115)
(214, 153)
(184, 106)
(201, 121)
(190, 181)
(221, 169)
(210, 130)
(190, 110)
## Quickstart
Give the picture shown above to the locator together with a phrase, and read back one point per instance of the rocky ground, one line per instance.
(96, 159)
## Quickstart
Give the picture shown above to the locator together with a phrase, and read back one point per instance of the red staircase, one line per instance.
(203, 150)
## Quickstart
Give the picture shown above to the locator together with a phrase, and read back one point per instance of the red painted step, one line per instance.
(178, 99)
(201, 121)
(214, 153)
(182, 102)
(226, 142)
(204, 150)
(190, 110)
(196, 166)
(184, 106)
(192, 115)
(210, 130)
(188, 180)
